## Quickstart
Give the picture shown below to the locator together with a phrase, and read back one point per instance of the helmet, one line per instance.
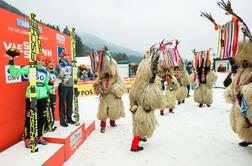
(49, 59)
(63, 54)
(40, 56)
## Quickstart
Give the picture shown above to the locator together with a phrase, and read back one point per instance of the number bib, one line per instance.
(41, 76)
(52, 76)
(67, 70)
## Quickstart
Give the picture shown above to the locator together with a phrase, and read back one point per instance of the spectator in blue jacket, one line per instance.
(190, 70)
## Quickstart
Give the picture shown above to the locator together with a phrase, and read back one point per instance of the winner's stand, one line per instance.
(72, 136)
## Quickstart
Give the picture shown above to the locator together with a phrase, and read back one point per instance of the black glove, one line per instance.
(228, 80)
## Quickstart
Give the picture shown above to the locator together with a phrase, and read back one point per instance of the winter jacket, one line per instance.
(42, 87)
(66, 68)
(189, 69)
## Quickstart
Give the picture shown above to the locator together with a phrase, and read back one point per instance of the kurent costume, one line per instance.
(144, 98)
(203, 78)
(169, 57)
(111, 88)
(182, 77)
(239, 94)
(239, 89)
(169, 99)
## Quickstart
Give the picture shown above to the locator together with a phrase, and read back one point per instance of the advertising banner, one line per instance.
(15, 33)
(85, 88)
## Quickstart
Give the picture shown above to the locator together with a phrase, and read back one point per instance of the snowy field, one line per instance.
(192, 136)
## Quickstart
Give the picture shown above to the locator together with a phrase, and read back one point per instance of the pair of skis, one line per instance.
(35, 48)
(74, 72)
(49, 115)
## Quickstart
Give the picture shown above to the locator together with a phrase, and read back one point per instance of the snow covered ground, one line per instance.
(192, 136)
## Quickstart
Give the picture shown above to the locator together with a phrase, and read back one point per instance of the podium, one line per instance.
(71, 137)
(62, 143)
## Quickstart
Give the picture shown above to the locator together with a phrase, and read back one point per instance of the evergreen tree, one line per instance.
(66, 31)
(11, 8)
(79, 47)
(57, 28)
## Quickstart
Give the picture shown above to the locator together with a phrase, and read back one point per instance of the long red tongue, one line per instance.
(203, 77)
(107, 83)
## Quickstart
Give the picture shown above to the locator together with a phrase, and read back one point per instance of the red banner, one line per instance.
(14, 32)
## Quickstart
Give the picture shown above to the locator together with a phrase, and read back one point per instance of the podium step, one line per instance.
(48, 155)
(62, 143)
(72, 136)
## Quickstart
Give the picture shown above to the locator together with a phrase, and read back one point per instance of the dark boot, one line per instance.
(112, 123)
(161, 112)
(183, 101)
(245, 143)
(200, 105)
(103, 125)
(143, 139)
(134, 145)
(179, 102)
(102, 129)
(171, 110)
(208, 105)
(54, 128)
(64, 124)
(70, 121)
(136, 150)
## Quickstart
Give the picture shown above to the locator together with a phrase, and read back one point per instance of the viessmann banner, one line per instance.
(14, 31)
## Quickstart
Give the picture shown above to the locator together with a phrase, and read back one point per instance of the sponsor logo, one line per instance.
(25, 24)
(87, 92)
(40, 76)
(9, 78)
(24, 48)
(60, 38)
(76, 138)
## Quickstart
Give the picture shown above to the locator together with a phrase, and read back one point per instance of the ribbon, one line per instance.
(229, 35)
(235, 44)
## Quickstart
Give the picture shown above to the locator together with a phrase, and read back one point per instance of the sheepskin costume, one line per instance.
(171, 88)
(145, 97)
(111, 88)
(240, 91)
(169, 95)
(182, 77)
(203, 79)
(169, 58)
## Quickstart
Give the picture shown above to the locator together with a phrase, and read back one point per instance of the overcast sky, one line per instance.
(137, 24)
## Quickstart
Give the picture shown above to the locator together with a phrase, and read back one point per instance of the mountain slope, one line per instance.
(98, 43)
